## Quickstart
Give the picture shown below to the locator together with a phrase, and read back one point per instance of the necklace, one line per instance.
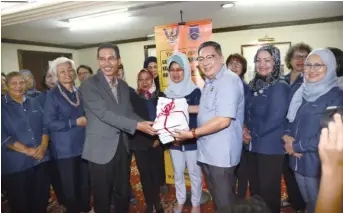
(67, 98)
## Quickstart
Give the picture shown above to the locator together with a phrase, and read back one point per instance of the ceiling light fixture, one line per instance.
(228, 5)
(99, 20)
(98, 15)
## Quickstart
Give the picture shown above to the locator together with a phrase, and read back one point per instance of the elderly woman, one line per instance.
(184, 153)
(319, 91)
(266, 110)
(64, 117)
(30, 83)
(147, 149)
(24, 141)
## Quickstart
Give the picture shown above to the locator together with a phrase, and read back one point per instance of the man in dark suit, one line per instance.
(109, 116)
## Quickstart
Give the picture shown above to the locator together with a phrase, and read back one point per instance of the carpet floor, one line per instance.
(168, 200)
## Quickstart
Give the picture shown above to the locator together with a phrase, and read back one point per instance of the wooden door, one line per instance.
(38, 62)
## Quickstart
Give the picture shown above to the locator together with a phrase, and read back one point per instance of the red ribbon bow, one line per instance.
(166, 111)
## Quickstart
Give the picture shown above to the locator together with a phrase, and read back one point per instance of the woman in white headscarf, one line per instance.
(184, 153)
(319, 91)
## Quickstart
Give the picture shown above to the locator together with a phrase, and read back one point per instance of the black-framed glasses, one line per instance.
(315, 66)
(208, 58)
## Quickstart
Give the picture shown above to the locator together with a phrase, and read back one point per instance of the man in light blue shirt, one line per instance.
(220, 121)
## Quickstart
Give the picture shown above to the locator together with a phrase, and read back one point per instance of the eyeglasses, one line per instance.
(299, 57)
(175, 70)
(208, 58)
(236, 64)
(316, 66)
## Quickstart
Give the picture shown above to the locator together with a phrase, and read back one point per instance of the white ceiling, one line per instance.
(46, 27)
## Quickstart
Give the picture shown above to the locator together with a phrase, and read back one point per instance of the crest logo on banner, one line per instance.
(172, 34)
(194, 32)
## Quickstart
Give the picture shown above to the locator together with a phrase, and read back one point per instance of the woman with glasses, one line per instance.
(24, 154)
(266, 109)
(294, 60)
(184, 153)
(65, 118)
(319, 91)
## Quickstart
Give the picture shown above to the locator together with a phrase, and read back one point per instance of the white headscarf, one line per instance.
(311, 91)
(184, 87)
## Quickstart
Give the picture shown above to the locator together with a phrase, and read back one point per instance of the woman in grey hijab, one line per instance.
(319, 91)
(184, 153)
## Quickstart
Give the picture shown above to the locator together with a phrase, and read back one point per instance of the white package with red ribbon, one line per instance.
(172, 114)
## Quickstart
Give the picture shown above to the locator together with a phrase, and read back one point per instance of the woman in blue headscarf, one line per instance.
(184, 153)
(30, 83)
(319, 91)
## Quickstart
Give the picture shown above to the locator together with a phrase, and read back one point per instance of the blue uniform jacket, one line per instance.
(67, 139)
(22, 123)
(266, 117)
(306, 130)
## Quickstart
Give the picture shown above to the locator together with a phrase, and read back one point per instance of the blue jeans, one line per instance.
(309, 188)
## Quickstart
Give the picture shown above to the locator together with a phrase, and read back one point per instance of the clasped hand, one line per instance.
(288, 140)
(37, 153)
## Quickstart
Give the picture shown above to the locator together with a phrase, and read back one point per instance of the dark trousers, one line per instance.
(148, 164)
(56, 181)
(132, 194)
(112, 177)
(28, 191)
(75, 183)
(219, 181)
(294, 195)
(266, 178)
(242, 175)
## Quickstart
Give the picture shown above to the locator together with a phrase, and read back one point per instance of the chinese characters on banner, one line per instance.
(186, 39)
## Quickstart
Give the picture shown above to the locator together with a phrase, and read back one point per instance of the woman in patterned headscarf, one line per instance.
(266, 110)
(147, 149)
